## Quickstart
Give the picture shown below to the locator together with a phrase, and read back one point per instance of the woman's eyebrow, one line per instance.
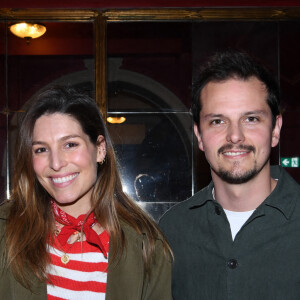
(60, 139)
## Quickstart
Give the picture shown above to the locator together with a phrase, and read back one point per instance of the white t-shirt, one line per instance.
(237, 219)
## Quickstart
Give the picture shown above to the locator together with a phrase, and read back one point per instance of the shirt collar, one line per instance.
(203, 196)
(283, 197)
(286, 193)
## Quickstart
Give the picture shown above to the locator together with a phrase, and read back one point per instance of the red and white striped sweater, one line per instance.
(83, 277)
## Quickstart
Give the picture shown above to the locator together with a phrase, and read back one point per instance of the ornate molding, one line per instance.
(50, 14)
(203, 14)
(170, 14)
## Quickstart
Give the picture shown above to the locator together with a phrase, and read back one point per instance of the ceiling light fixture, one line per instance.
(116, 120)
(28, 31)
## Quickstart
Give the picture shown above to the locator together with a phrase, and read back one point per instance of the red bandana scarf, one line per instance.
(71, 224)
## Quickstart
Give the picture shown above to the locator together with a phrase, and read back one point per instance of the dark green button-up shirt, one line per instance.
(263, 262)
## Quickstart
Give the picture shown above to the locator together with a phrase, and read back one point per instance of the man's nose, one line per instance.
(235, 134)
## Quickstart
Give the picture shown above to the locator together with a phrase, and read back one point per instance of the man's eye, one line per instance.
(252, 119)
(217, 122)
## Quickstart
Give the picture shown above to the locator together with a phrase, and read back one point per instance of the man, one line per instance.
(238, 238)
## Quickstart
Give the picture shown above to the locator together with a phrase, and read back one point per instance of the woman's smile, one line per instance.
(57, 180)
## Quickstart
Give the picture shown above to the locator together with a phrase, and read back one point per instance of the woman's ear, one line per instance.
(101, 149)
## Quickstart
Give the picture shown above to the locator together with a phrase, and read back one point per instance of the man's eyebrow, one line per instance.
(248, 113)
(209, 116)
(256, 112)
(64, 138)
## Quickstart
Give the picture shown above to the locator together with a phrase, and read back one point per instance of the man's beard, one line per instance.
(237, 177)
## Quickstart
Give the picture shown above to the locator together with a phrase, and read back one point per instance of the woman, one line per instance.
(69, 231)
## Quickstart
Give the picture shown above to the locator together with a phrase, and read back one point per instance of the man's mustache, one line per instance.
(239, 147)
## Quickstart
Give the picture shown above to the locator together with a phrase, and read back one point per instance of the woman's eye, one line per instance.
(71, 145)
(40, 150)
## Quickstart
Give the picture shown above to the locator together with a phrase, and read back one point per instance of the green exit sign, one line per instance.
(290, 162)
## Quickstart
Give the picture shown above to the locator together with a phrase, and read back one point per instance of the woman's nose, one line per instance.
(57, 160)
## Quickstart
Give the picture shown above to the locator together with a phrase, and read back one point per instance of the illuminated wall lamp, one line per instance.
(116, 120)
(28, 31)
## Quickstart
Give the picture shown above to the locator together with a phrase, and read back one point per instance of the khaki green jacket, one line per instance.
(126, 281)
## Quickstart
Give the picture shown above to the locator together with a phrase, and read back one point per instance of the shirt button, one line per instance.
(217, 210)
(232, 263)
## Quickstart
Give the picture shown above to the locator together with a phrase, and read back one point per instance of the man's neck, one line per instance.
(246, 196)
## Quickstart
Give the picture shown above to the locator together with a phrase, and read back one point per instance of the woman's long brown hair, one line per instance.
(30, 222)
